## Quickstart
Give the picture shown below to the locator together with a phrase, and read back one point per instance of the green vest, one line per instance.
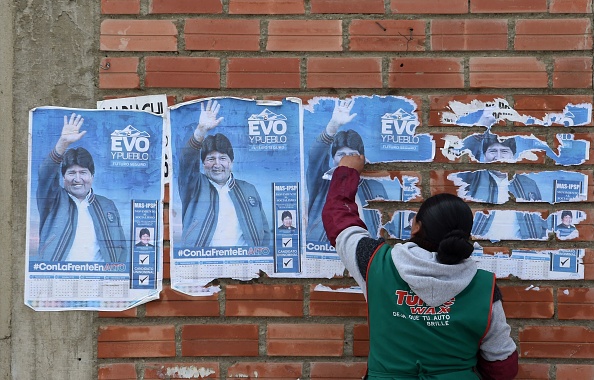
(410, 340)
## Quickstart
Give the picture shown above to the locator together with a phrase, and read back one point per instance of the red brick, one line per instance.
(557, 34)
(266, 7)
(449, 35)
(304, 35)
(336, 304)
(222, 34)
(361, 340)
(174, 304)
(508, 6)
(166, 263)
(440, 103)
(185, 6)
(219, 340)
(182, 72)
(539, 105)
(186, 370)
(344, 72)
(136, 341)
(507, 72)
(533, 371)
(574, 371)
(387, 35)
(575, 303)
(305, 339)
(119, 73)
(259, 370)
(264, 301)
(570, 6)
(138, 35)
(556, 342)
(524, 302)
(429, 6)
(263, 73)
(347, 6)
(572, 72)
(129, 313)
(333, 370)
(117, 371)
(120, 7)
(426, 73)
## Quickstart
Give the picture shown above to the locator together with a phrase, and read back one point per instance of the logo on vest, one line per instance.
(419, 311)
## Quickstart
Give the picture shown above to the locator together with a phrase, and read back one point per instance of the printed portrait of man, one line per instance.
(217, 208)
(565, 228)
(287, 222)
(75, 223)
(145, 238)
(406, 230)
(327, 149)
(493, 186)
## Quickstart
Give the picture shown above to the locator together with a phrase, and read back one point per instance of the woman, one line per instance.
(432, 313)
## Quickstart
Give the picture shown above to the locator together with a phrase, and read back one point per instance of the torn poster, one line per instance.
(489, 148)
(94, 216)
(487, 114)
(333, 128)
(236, 195)
(496, 225)
(400, 225)
(493, 186)
(560, 264)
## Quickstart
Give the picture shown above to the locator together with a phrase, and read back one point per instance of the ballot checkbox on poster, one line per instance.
(287, 242)
(144, 259)
(288, 263)
(564, 262)
(143, 280)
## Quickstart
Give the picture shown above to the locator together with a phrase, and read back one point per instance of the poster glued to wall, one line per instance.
(94, 215)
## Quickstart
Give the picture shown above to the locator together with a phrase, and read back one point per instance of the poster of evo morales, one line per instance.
(236, 190)
(95, 209)
(383, 128)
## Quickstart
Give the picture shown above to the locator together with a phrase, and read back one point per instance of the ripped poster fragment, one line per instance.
(494, 186)
(333, 128)
(489, 148)
(563, 223)
(399, 227)
(236, 195)
(560, 264)
(496, 225)
(487, 114)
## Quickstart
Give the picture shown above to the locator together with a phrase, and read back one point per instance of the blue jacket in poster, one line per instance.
(319, 156)
(482, 187)
(58, 218)
(530, 226)
(200, 203)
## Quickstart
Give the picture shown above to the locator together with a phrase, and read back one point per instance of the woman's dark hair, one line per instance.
(287, 214)
(350, 139)
(446, 222)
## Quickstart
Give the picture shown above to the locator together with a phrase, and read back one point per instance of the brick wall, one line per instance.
(537, 54)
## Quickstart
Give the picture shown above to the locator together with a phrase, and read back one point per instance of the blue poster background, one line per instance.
(120, 184)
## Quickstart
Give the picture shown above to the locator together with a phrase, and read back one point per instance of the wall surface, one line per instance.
(6, 57)
(55, 49)
(536, 54)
